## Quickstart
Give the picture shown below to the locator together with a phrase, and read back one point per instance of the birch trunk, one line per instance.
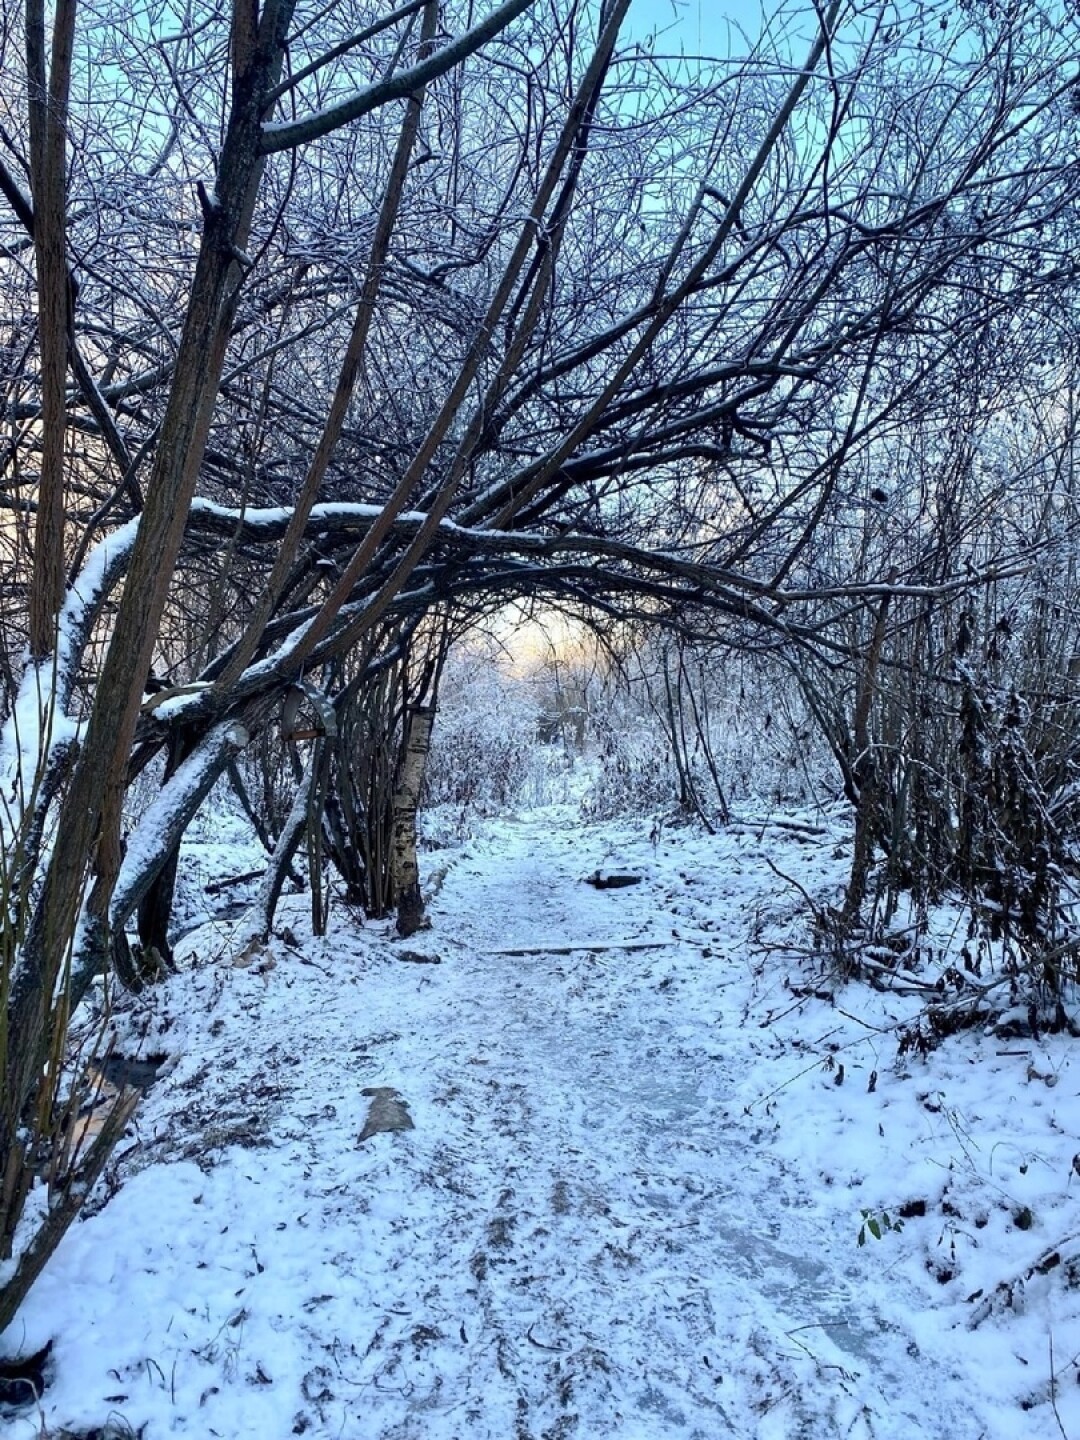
(405, 869)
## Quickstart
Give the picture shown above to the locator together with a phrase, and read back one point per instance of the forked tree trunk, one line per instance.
(406, 870)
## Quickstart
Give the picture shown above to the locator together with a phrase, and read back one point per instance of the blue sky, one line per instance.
(695, 25)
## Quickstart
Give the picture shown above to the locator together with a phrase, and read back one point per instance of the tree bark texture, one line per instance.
(865, 772)
(406, 870)
(48, 108)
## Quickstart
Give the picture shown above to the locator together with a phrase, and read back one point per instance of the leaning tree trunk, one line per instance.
(406, 870)
(155, 907)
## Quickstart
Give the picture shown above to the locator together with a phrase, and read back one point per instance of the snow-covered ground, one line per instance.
(643, 1152)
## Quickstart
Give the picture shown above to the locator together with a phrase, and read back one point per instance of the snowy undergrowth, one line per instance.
(631, 1202)
(219, 853)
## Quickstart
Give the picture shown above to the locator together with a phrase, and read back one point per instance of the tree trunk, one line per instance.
(48, 107)
(155, 907)
(865, 773)
(88, 831)
(406, 870)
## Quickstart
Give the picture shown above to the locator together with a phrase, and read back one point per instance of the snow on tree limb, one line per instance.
(39, 721)
(287, 135)
(169, 815)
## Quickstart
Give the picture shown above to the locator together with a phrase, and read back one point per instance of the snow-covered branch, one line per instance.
(39, 722)
(289, 134)
(168, 816)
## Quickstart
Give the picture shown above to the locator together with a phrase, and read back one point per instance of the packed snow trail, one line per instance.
(635, 1228)
(585, 1235)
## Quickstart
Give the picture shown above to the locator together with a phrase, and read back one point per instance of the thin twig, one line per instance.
(1053, 1389)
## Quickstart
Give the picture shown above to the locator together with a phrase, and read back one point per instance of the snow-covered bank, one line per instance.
(631, 1202)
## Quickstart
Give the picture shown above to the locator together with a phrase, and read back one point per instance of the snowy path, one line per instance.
(586, 1235)
(634, 1228)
